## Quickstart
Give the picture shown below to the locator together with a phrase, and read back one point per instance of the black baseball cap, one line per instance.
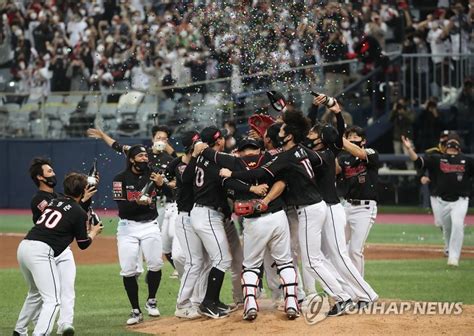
(210, 135)
(135, 150)
(188, 138)
(248, 142)
(329, 134)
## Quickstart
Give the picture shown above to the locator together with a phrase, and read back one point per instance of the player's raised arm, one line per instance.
(97, 133)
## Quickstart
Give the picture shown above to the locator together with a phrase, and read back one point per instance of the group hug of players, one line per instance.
(280, 183)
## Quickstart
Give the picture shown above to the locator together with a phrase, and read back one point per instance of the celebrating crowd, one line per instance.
(98, 45)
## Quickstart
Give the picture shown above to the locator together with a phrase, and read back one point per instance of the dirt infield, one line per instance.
(271, 322)
(104, 251)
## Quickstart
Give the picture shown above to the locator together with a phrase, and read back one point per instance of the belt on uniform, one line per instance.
(260, 214)
(449, 199)
(358, 202)
(197, 205)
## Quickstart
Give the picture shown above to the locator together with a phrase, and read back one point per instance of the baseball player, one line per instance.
(62, 221)
(159, 155)
(208, 220)
(432, 184)
(138, 229)
(191, 291)
(270, 141)
(359, 169)
(333, 236)
(296, 164)
(43, 176)
(266, 227)
(453, 172)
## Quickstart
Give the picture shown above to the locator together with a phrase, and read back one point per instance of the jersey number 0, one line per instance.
(199, 177)
(50, 218)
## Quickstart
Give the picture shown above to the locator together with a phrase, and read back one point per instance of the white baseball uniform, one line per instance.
(270, 230)
(133, 236)
(360, 219)
(334, 248)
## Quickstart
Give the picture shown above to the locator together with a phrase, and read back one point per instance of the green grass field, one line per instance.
(102, 306)
(380, 233)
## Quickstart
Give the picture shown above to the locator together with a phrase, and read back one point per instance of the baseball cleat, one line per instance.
(68, 331)
(250, 314)
(135, 317)
(453, 263)
(227, 308)
(292, 313)
(210, 309)
(151, 308)
(189, 313)
(340, 308)
(174, 275)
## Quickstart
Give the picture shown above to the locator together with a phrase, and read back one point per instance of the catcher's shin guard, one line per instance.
(250, 282)
(289, 283)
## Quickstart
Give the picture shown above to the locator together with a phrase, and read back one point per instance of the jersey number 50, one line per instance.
(50, 218)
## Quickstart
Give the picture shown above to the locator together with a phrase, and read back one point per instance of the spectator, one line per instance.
(334, 50)
(377, 28)
(6, 52)
(402, 119)
(465, 113)
(429, 125)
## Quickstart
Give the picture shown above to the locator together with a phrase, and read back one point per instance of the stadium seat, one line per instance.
(73, 99)
(54, 99)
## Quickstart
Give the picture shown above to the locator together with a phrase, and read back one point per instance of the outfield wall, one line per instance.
(66, 155)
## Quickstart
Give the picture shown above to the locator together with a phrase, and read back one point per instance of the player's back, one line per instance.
(299, 176)
(59, 224)
(208, 189)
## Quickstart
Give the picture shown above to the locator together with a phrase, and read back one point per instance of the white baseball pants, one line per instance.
(133, 237)
(208, 224)
(360, 219)
(39, 269)
(453, 215)
(335, 250)
(269, 231)
(196, 267)
(311, 221)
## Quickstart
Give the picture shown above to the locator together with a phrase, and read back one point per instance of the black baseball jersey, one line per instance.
(433, 185)
(208, 185)
(360, 176)
(326, 177)
(184, 188)
(41, 199)
(127, 188)
(296, 167)
(62, 220)
(453, 174)
(157, 162)
(242, 164)
(39, 202)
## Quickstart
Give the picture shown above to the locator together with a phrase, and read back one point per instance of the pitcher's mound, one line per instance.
(273, 322)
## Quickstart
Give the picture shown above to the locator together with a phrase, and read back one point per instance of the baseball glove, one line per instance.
(249, 207)
(260, 122)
